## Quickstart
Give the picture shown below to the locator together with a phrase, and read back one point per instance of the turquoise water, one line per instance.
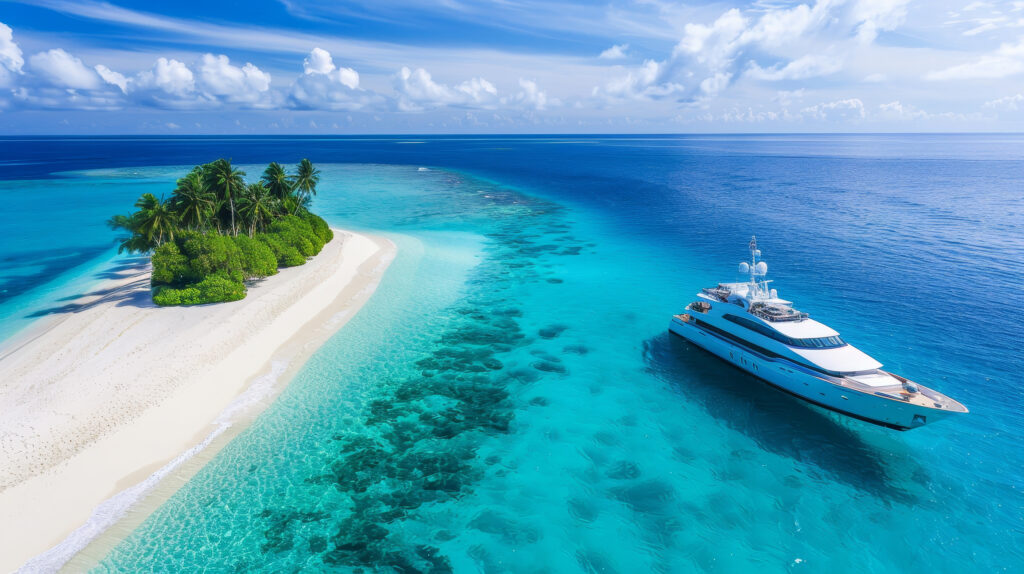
(509, 399)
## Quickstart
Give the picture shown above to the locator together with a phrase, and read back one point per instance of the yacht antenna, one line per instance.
(753, 263)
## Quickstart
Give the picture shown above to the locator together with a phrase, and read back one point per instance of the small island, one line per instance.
(216, 232)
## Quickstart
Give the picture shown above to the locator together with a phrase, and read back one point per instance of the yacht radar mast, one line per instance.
(756, 269)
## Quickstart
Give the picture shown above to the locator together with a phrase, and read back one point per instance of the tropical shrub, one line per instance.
(318, 225)
(212, 254)
(287, 256)
(165, 296)
(213, 289)
(258, 261)
(170, 266)
(297, 233)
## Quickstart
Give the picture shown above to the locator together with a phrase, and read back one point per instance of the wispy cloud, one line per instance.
(1007, 60)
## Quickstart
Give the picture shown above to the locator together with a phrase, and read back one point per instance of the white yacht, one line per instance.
(748, 325)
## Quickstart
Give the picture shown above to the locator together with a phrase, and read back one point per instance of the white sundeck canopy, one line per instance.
(846, 359)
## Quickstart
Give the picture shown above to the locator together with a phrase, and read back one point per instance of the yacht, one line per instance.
(750, 327)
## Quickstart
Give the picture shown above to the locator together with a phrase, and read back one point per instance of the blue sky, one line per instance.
(510, 66)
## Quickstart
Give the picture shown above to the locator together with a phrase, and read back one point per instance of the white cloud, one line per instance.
(63, 70)
(113, 78)
(748, 115)
(616, 52)
(715, 45)
(808, 66)
(715, 84)
(799, 37)
(218, 78)
(1007, 60)
(319, 61)
(418, 91)
(11, 60)
(641, 83)
(64, 98)
(477, 90)
(847, 108)
(1009, 103)
(325, 86)
(779, 27)
(10, 53)
(877, 15)
(168, 76)
(530, 95)
(897, 110)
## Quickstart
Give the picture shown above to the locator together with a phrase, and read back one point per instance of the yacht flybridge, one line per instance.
(748, 325)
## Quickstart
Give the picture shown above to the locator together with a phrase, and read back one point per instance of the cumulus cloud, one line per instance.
(113, 78)
(616, 52)
(167, 76)
(417, 91)
(529, 96)
(320, 62)
(1008, 103)
(704, 61)
(10, 53)
(898, 110)
(1005, 61)
(714, 84)
(220, 79)
(324, 86)
(646, 82)
(63, 70)
(11, 59)
(848, 108)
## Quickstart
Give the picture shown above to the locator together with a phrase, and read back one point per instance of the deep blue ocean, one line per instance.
(510, 399)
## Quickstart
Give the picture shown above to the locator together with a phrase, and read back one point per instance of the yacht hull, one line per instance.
(795, 380)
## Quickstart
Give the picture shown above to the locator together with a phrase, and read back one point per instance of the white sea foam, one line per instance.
(116, 507)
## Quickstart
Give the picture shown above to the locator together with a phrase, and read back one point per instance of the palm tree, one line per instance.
(257, 205)
(133, 242)
(227, 182)
(155, 219)
(193, 200)
(278, 181)
(305, 182)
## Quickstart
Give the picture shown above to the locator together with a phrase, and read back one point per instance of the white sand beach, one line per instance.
(110, 389)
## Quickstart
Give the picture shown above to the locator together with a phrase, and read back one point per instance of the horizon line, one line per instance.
(492, 135)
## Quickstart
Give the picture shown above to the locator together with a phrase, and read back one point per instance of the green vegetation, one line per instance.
(216, 231)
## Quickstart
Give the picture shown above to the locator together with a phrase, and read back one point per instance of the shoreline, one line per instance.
(159, 419)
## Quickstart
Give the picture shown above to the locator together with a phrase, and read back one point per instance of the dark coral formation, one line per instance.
(416, 443)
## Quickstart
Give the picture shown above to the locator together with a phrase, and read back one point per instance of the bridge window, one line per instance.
(808, 343)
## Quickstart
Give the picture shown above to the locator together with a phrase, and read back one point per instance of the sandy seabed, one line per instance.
(104, 398)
